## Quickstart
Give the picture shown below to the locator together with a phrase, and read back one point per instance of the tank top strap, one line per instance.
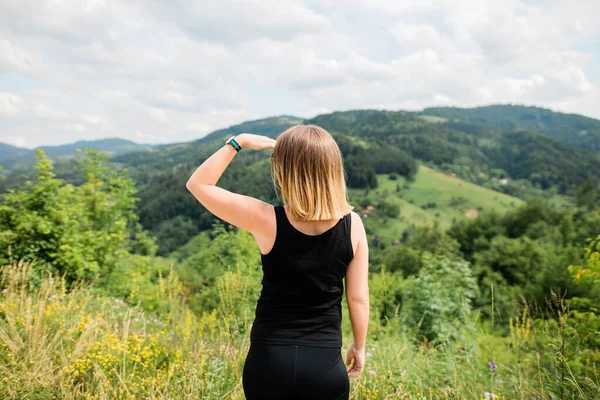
(283, 224)
(348, 232)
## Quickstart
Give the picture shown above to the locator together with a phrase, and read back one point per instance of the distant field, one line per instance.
(433, 118)
(448, 198)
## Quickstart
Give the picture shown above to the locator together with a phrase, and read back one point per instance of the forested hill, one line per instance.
(272, 127)
(467, 149)
(577, 130)
(7, 150)
(174, 154)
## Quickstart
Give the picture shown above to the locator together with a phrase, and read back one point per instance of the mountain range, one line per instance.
(521, 152)
(13, 157)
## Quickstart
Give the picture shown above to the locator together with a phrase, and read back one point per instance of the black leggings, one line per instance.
(295, 372)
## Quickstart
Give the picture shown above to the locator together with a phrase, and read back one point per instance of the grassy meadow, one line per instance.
(74, 344)
(433, 196)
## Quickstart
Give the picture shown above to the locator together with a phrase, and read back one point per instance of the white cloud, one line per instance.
(157, 114)
(45, 112)
(13, 57)
(156, 71)
(10, 104)
(235, 20)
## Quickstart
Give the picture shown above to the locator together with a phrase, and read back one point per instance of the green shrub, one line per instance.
(439, 298)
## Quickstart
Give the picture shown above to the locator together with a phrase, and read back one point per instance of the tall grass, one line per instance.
(73, 344)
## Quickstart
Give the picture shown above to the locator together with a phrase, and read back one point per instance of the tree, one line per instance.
(108, 197)
(588, 194)
(80, 232)
(388, 208)
(361, 172)
(42, 222)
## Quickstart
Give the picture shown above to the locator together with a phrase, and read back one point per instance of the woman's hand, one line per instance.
(358, 356)
(255, 142)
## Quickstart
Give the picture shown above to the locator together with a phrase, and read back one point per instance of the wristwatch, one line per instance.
(233, 143)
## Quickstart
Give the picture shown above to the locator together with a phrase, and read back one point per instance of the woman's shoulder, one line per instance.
(356, 220)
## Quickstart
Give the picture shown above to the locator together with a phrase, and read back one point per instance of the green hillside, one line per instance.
(433, 196)
(577, 130)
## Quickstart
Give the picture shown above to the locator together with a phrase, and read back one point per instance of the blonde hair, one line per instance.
(308, 170)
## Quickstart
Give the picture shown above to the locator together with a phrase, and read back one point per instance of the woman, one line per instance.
(308, 246)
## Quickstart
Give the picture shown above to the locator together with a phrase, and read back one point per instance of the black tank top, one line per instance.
(301, 298)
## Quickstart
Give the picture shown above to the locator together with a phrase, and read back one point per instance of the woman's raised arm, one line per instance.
(239, 210)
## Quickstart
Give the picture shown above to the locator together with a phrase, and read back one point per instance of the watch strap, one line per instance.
(234, 143)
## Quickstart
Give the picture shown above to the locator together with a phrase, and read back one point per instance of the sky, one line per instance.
(156, 71)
